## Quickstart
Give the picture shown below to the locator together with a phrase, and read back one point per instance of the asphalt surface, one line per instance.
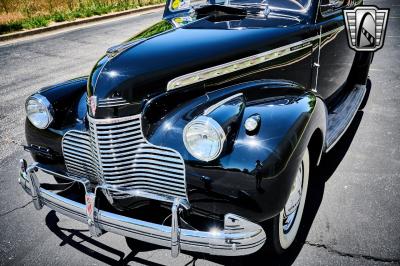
(354, 212)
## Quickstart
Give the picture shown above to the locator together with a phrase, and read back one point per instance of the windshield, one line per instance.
(175, 7)
(239, 2)
(288, 5)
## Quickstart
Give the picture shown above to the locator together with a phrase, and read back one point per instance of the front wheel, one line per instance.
(285, 226)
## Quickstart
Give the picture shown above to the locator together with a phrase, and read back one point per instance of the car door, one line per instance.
(335, 56)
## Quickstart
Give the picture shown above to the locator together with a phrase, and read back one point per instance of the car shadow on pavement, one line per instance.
(319, 175)
(77, 238)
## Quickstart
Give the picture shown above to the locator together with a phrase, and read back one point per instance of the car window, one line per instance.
(329, 7)
(291, 5)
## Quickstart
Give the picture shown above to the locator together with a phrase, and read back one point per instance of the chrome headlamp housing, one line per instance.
(204, 138)
(39, 111)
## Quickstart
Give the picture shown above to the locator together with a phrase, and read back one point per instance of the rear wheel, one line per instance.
(285, 226)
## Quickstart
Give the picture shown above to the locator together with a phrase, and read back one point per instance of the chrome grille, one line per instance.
(78, 155)
(115, 152)
(112, 102)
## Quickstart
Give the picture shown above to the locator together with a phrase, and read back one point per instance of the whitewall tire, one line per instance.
(286, 225)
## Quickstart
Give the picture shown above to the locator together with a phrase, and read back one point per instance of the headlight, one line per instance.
(204, 138)
(39, 111)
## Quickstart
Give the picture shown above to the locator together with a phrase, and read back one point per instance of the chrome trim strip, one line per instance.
(112, 102)
(150, 171)
(106, 121)
(117, 49)
(220, 103)
(138, 158)
(111, 125)
(160, 181)
(112, 105)
(317, 64)
(120, 132)
(114, 147)
(238, 237)
(143, 148)
(243, 63)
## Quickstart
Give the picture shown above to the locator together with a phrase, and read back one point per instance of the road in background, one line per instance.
(354, 215)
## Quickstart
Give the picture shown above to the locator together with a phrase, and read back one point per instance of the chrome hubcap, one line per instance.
(293, 202)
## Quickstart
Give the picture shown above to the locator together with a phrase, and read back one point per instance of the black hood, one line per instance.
(143, 70)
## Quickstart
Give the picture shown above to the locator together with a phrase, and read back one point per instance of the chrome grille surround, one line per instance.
(115, 152)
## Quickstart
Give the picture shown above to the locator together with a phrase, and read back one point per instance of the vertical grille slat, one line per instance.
(115, 152)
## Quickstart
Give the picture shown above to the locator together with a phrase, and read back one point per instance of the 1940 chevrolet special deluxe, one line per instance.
(199, 129)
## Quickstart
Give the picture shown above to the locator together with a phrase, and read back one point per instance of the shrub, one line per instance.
(35, 22)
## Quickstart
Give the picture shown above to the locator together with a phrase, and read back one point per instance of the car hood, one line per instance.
(143, 70)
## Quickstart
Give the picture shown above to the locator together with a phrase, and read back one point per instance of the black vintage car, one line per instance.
(196, 131)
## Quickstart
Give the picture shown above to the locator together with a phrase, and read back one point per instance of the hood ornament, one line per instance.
(117, 49)
(92, 102)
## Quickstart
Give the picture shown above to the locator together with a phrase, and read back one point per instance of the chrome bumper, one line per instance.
(239, 236)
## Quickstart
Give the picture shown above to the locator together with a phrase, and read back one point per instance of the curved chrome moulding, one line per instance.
(243, 63)
(239, 236)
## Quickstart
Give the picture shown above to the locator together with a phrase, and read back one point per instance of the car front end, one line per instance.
(183, 149)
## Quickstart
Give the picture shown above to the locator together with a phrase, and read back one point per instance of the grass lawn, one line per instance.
(16, 15)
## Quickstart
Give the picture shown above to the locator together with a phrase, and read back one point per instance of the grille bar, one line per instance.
(112, 102)
(115, 152)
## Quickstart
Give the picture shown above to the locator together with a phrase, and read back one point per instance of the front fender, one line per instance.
(69, 103)
(254, 177)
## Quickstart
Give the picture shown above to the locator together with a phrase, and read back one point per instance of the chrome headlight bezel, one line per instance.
(47, 110)
(205, 121)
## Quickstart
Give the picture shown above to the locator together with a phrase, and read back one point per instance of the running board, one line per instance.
(340, 117)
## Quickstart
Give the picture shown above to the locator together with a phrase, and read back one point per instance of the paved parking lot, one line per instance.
(354, 218)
